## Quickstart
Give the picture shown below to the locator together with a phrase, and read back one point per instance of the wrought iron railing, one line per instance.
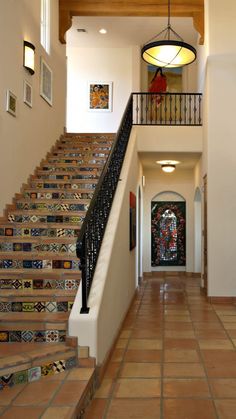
(167, 109)
(142, 109)
(93, 227)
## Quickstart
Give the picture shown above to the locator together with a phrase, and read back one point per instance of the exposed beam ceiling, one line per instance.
(179, 8)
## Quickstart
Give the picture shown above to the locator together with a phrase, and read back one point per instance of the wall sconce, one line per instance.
(28, 60)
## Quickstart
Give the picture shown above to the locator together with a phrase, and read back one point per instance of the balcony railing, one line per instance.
(167, 109)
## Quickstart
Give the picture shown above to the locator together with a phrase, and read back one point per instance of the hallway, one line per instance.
(175, 357)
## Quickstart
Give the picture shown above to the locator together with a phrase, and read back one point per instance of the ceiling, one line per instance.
(125, 31)
(187, 160)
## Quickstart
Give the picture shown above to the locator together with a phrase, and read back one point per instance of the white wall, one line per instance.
(220, 149)
(182, 183)
(114, 281)
(165, 138)
(26, 138)
(104, 65)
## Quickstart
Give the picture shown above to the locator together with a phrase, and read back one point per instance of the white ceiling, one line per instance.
(125, 31)
(187, 160)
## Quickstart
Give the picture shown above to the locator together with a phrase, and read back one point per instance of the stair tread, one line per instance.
(36, 293)
(34, 317)
(43, 350)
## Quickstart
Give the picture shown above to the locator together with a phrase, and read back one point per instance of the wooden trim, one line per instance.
(136, 8)
(221, 300)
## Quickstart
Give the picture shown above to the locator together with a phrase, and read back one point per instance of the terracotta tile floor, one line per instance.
(52, 397)
(175, 357)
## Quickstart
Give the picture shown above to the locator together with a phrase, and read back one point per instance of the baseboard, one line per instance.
(221, 300)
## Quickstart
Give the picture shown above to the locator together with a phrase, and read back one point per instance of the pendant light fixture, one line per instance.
(168, 52)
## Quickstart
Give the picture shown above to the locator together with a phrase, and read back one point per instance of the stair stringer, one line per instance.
(114, 280)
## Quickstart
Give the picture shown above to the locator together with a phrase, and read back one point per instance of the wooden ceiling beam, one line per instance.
(137, 8)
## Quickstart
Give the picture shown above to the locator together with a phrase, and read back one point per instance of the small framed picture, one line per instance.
(45, 82)
(100, 96)
(11, 103)
(28, 100)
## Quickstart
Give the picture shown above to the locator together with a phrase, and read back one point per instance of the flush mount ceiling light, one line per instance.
(167, 52)
(28, 59)
(168, 166)
(103, 31)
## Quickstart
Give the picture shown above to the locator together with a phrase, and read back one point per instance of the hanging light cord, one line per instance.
(166, 31)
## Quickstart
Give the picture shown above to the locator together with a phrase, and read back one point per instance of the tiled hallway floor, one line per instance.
(175, 357)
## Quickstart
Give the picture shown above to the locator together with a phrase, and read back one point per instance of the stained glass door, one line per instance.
(168, 233)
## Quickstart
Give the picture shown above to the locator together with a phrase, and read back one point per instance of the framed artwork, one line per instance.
(100, 96)
(28, 94)
(132, 219)
(11, 103)
(45, 82)
(173, 78)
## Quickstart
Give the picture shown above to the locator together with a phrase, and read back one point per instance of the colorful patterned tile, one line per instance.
(6, 284)
(47, 264)
(47, 369)
(7, 264)
(62, 335)
(27, 247)
(28, 307)
(5, 307)
(17, 247)
(60, 285)
(39, 306)
(34, 374)
(27, 264)
(15, 336)
(27, 335)
(27, 283)
(48, 284)
(37, 264)
(11, 218)
(17, 284)
(35, 232)
(40, 336)
(62, 306)
(51, 307)
(4, 336)
(71, 363)
(67, 264)
(26, 232)
(59, 366)
(20, 377)
(7, 380)
(70, 284)
(52, 336)
(38, 284)
(17, 306)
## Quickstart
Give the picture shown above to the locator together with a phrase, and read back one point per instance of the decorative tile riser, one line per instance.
(36, 232)
(38, 206)
(67, 177)
(33, 307)
(46, 264)
(93, 167)
(32, 336)
(79, 154)
(45, 185)
(41, 247)
(14, 218)
(38, 284)
(36, 373)
(97, 160)
(58, 195)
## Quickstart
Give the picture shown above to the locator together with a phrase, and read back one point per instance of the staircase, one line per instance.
(39, 270)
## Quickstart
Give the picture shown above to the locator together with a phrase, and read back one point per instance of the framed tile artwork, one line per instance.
(45, 82)
(11, 103)
(28, 94)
